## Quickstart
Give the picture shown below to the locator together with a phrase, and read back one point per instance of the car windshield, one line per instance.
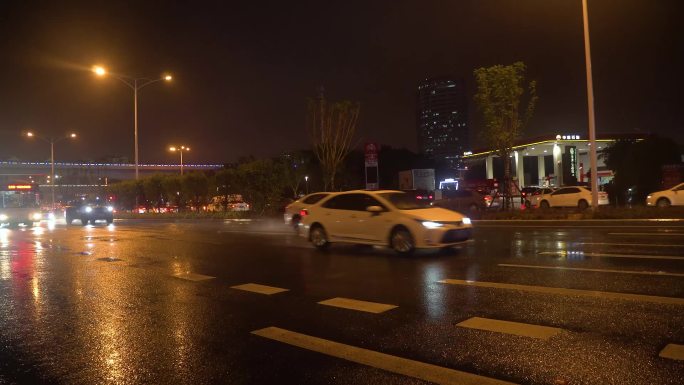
(404, 201)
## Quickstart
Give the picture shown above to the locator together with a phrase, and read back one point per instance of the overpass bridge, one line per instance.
(87, 177)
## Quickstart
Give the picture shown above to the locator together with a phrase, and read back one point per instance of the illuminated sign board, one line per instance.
(19, 187)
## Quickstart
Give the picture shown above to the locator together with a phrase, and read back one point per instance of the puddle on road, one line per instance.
(109, 259)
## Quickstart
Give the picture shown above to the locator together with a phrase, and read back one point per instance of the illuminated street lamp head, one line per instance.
(99, 71)
(72, 135)
(168, 78)
(29, 134)
(172, 148)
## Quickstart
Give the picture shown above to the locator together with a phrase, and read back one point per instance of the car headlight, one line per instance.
(466, 221)
(110, 209)
(88, 209)
(51, 216)
(3, 217)
(649, 197)
(431, 225)
(36, 216)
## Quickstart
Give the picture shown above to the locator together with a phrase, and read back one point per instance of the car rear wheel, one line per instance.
(319, 238)
(402, 241)
(110, 221)
(663, 202)
(544, 204)
(582, 204)
(84, 221)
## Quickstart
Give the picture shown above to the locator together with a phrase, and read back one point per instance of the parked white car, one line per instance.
(293, 211)
(666, 198)
(385, 218)
(574, 196)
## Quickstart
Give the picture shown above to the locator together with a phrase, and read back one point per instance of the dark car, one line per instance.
(89, 211)
(464, 200)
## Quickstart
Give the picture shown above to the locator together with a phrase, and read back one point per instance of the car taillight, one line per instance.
(303, 212)
(419, 197)
(429, 196)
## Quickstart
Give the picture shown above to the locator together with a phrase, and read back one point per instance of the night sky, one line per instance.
(243, 70)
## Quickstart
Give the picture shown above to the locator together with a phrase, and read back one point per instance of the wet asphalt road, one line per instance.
(110, 304)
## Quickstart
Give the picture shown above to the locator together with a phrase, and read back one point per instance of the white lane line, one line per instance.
(193, 277)
(610, 255)
(353, 304)
(659, 273)
(564, 291)
(394, 364)
(509, 327)
(649, 234)
(673, 351)
(261, 289)
(630, 244)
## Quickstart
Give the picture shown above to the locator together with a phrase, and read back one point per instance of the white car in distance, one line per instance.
(666, 198)
(383, 218)
(573, 196)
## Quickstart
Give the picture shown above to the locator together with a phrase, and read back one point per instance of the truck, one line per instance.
(420, 182)
(417, 179)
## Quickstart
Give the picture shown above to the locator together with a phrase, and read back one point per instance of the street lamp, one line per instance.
(180, 150)
(590, 102)
(52, 141)
(135, 84)
(306, 179)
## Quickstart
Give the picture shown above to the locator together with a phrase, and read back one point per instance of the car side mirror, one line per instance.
(375, 210)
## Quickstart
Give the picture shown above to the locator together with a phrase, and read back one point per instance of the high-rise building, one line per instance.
(443, 120)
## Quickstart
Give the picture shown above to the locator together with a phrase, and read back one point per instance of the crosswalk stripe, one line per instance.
(261, 289)
(394, 364)
(564, 291)
(193, 277)
(673, 351)
(353, 304)
(630, 244)
(659, 273)
(611, 255)
(509, 327)
(649, 234)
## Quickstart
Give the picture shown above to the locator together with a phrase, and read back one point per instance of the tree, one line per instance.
(296, 165)
(638, 165)
(153, 190)
(332, 127)
(500, 90)
(196, 186)
(262, 184)
(125, 192)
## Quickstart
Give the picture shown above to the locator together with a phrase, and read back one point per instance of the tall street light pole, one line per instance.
(590, 101)
(135, 84)
(180, 150)
(52, 142)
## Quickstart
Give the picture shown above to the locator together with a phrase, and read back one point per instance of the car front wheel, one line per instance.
(402, 241)
(319, 238)
(663, 202)
(582, 205)
(544, 204)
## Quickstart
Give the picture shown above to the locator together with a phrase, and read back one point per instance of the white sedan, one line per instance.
(385, 218)
(666, 198)
(575, 196)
